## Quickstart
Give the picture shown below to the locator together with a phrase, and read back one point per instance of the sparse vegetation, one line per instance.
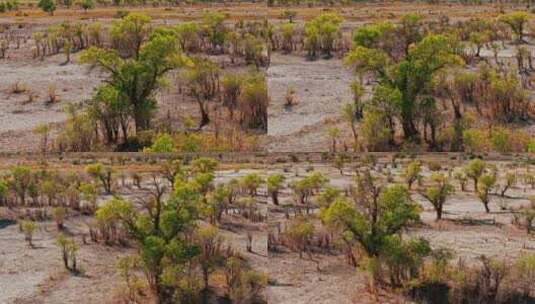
(249, 153)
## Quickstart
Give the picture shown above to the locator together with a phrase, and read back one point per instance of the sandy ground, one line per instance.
(321, 89)
(36, 275)
(298, 281)
(18, 117)
(470, 231)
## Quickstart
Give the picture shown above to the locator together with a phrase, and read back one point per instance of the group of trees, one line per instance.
(67, 38)
(173, 223)
(422, 88)
(367, 222)
(9, 5)
(50, 6)
(428, 79)
(319, 36)
(139, 57)
(169, 239)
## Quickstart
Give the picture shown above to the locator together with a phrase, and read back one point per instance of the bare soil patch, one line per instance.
(321, 89)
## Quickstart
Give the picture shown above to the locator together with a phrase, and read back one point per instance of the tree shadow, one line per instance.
(6, 222)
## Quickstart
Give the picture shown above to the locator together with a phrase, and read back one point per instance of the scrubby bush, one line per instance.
(102, 174)
(69, 250)
(274, 185)
(28, 227)
(299, 232)
(59, 214)
(412, 173)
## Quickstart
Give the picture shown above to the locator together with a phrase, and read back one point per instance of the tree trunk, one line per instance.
(409, 129)
(275, 197)
(439, 213)
(205, 119)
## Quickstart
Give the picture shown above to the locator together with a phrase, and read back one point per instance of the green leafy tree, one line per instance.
(215, 29)
(412, 173)
(188, 36)
(203, 165)
(375, 131)
(486, 183)
(348, 112)
(211, 255)
(137, 78)
(300, 231)
(510, 181)
(69, 250)
(48, 6)
(111, 112)
(44, 131)
(412, 74)
(479, 39)
(306, 187)
(367, 61)
(102, 174)
(409, 77)
(328, 196)
(87, 4)
(289, 14)
(28, 227)
(130, 33)
(253, 102)
(250, 183)
(474, 169)
(287, 31)
(218, 201)
(358, 91)
(375, 35)
(90, 194)
(372, 227)
(231, 85)
(164, 238)
(437, 193)
(459, 87)
(164, 143)
(21, 179)
(202, 78)
(517, 22)
(172, 169)
(274, 185)
(461, 177)
(411, 29)
(321, 33)
(525, 269)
